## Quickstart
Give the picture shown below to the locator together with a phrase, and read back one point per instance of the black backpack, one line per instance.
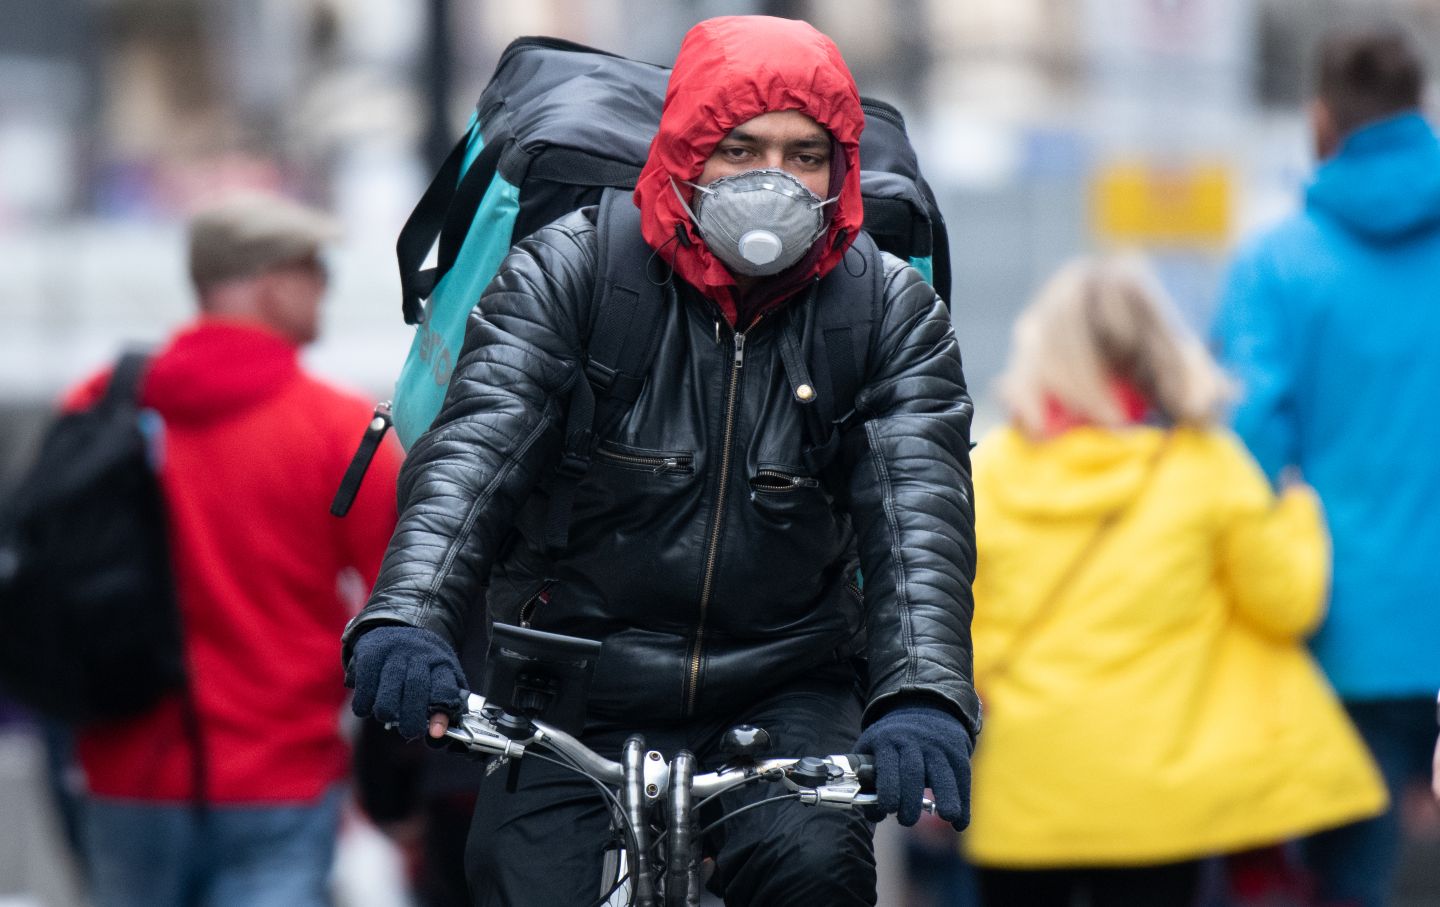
(89, 628)
(558, 127)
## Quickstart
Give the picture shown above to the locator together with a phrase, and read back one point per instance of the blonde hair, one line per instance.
(1098, 320)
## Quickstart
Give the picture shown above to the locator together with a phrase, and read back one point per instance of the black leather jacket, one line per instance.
(709, 562)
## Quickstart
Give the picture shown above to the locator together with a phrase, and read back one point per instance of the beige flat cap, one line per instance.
(245, 234)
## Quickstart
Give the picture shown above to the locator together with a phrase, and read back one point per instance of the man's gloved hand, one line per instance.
(403, 675)
(916, 747)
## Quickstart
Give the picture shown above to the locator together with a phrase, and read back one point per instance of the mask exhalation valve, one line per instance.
(760, 247)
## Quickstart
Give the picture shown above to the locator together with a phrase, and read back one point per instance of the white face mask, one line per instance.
(759, 222)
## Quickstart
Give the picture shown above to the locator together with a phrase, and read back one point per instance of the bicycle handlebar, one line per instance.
(841, 781)
(645, 780)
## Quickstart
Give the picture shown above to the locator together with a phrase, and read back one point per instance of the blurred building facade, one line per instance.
(1046, 127)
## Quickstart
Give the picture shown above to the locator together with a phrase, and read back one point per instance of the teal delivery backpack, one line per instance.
(557, 125)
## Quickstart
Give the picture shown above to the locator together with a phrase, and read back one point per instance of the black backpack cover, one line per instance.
(89, 627)
(559, 125)
(563, 121)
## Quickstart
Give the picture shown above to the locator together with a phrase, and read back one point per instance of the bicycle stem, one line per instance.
(638, 845)
(682, 882)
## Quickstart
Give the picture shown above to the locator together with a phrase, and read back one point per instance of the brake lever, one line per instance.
(475, 735)
(846, 797)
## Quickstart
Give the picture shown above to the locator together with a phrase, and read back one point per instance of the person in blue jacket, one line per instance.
(1331, 322)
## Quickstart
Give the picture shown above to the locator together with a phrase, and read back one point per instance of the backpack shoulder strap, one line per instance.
(626, 315)
(626, 311)
(126, 380)
(847, 307)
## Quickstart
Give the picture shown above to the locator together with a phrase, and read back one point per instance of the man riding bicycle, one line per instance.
(721, 575)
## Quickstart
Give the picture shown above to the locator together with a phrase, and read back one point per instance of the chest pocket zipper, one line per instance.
(659, 464)
(773, 481)
(541, 596)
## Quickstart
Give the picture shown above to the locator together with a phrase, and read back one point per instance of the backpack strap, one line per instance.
(445, 212)
(939, 253)
(846, 308)
(123, 389)
(627, 309)
(126, 379)
(380, 422)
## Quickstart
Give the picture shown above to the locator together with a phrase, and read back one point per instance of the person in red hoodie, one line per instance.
(233, 798)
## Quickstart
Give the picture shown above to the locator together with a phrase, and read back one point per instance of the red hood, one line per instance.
(728, 71)
(215, 368)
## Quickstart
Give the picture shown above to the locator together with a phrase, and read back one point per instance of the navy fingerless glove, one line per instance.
(402, 675)
(916, 747)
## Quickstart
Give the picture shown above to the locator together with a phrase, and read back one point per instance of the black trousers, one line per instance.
(543, 845)
(1164, 885)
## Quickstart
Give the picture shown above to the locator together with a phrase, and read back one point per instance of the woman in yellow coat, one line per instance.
(1141, 603)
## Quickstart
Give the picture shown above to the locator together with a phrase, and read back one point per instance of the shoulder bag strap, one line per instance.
(1067, 577)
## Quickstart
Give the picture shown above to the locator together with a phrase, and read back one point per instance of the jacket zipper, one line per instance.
(713, 551)
(792, 482)
(658, 464)
(527, 610)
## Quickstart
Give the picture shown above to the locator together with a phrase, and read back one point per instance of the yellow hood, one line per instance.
(1084, 472)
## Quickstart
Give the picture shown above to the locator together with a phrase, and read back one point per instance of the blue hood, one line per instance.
(1384, 184)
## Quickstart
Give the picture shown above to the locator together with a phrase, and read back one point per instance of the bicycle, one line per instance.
(654, 801)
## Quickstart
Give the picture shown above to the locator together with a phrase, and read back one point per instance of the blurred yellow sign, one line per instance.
(1136, 202)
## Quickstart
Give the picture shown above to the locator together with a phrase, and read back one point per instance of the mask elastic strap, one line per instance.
(684, 204)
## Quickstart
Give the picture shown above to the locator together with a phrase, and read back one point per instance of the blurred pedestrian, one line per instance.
(230, 793)
(1435, 766)
(1140, 604)
(1330, 322)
